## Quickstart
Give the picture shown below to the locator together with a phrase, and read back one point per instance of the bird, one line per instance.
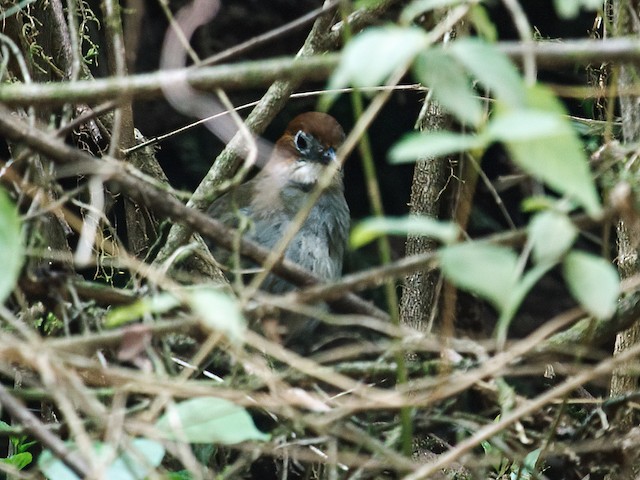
(271, 200)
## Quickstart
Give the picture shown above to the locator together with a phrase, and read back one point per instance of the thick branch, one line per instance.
(265, 72)
(229, 77)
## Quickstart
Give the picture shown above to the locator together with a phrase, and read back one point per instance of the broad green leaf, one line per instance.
(420, 146)
(593, 282)
(560, 162)
(489, 271)
(374, 54)
(125, 466)
(418, 7)
(53, 468)
(128, 465)
(552, 234)
(517, 295)
(492, 68)
(11, 249)
(450, 85)
(153, 304)
(218, 311)
(5, 427)
(528, 470)
(371, 228)
(209, 420)
(522, 125)
(555, 157)
(568, 9)
(19, 460)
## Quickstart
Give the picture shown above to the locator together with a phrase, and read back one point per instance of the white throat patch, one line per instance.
(307, 173)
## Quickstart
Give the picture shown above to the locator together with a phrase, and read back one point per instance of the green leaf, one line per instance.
(418, 7)
(492, 68)
(153, 304)
(419, 146)
(125, 466)
(552, 234)
(209, 420)
(11, 249)
(489, 271)
(5, 427)
(568, 9)
(19, 460)
(528, 469)
(371, 56)
(218, 311)
(517, 294)
(523, 125)
(554, 154)
(593, 282)
(450, 85)
(372, 228)
(54, 468)
(538, 203)
(128, 466)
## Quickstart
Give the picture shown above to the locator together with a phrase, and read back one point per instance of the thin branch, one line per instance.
(528, 408)
(253, 74)
(268, 36)
(313, 93)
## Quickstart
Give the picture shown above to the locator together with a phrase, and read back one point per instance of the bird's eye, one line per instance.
(301, 142)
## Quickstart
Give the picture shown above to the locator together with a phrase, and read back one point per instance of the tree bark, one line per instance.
(418, 303)
(625, 16)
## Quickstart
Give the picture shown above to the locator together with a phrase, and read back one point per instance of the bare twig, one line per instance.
(508, 418)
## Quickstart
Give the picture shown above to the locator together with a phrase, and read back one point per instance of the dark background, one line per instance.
(187, 156)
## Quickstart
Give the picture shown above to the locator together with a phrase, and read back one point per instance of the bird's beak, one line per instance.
(328, 156)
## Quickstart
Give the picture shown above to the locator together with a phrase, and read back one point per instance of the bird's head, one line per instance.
(306, 148)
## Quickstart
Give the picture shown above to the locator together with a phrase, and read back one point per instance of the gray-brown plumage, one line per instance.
(275, 195)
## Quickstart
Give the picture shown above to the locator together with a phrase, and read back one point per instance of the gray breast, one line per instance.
(319, 244)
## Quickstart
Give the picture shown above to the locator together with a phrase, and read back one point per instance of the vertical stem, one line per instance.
(384, 248)
(140, 226)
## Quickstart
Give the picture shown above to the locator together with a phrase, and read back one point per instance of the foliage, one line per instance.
(165, 370)
(208, 420)
(22, 458)
(133, 464)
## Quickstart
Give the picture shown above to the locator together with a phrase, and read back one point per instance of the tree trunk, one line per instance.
(625, 16)
(418, 304)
